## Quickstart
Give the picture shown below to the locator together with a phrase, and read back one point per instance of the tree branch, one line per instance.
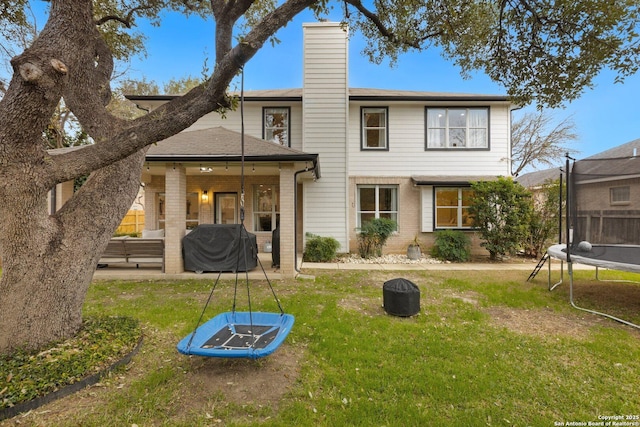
(176, 115)
(382, 28)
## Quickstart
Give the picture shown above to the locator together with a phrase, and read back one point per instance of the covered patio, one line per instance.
(196, 177)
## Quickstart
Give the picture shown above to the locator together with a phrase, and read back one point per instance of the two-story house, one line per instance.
(325, 158)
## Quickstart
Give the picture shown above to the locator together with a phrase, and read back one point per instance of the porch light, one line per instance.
(205, 169)
(205, 196)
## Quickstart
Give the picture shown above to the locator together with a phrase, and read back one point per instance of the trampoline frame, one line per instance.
(557, 252)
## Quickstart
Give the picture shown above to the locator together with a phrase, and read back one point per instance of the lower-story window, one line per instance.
(452, 207)
(265, 207)
(377, 201)
(193, 209)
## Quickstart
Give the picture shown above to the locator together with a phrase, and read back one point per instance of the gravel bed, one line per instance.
(387, 259)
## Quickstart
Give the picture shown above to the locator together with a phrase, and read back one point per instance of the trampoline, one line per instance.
(603, 218)
(613, 257)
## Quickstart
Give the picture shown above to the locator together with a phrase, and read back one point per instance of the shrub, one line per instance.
(320, 249)
(501, 210)
(451, 245)
(373, 235)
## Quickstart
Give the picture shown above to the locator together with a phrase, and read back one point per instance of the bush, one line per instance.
(373, 235)
(501, 210)
(451, 245)
(320, 249)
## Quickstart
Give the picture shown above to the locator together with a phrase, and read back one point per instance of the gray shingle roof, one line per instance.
(221, 144)
(218, 142)
(537, 178)
(354, 93)
(450, 179)
(624, 150)
(620, 164)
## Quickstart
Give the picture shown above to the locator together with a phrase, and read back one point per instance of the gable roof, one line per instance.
(538, 178)
(221, 144)
(622, 162)
(629, 149)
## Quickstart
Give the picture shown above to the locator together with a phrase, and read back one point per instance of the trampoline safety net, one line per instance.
(605, 200)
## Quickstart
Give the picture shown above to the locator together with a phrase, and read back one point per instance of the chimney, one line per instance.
(325, 113)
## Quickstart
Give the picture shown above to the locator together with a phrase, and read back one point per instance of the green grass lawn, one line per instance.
(487, 348)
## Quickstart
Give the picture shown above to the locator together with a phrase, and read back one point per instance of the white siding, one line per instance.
(407, 155)
(426, 209)
(253, 120)
(325, 121)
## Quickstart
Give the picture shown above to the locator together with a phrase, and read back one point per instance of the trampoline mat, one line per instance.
(612, 253)
(233, 336)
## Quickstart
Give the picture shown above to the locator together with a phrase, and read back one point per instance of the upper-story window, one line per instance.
(375, 128)
(457, 128)
(276, 125)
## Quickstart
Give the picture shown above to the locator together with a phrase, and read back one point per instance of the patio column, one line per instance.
(65, 192)
(287, 220)
(175, 217)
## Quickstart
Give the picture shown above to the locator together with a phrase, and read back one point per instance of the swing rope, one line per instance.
(243, 237)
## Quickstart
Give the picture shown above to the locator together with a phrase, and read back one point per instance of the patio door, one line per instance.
(226, 208)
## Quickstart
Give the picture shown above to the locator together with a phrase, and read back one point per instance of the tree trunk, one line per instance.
(49, 261)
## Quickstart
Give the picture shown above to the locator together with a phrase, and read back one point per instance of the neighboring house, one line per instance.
(607, 194)
(326, 158)
(535, 180)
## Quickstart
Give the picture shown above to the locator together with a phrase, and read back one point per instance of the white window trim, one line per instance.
(460, 207)
(274, 212)
(377, 202)
(265, 127)
(364, 128)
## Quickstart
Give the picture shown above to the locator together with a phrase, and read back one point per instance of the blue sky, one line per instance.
(605, 116)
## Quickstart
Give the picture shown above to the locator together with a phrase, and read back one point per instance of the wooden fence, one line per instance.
(613, 227)
(133, 222)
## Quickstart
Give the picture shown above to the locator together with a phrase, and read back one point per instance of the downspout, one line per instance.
(295, 218)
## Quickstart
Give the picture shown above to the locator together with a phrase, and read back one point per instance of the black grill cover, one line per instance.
(216, 247)
(401, 297)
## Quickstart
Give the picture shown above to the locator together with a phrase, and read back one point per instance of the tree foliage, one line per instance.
(501, 210)
(535, 143)
(544, 220)
(545, 51)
